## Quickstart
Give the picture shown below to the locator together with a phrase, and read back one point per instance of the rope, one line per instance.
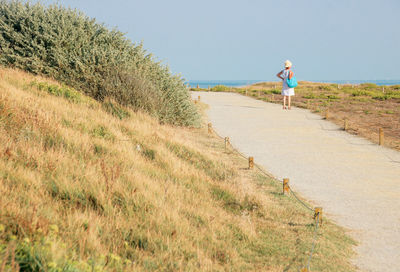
(264, 172)
(293, 193)
(315, 237)
(245, 157)
(348, 141)
(299, 200)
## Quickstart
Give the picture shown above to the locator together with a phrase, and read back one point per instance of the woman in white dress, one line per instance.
(286, 90)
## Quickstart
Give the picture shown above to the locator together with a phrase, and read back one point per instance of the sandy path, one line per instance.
(355, 181)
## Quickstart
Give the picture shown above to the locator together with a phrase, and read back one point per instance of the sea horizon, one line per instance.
(237, 83)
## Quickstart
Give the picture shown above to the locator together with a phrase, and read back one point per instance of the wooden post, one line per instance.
(327, 114)
(273, 97)
(346, 125)
(209, 128)
(286, 188)
(195, 101)
(226, 142)
(318, 214)
(251, 162)
(383, 89)
(198, 86)
(308, 104)
(381, 137)
(305, 269)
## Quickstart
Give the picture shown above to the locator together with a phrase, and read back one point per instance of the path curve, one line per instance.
(355, 181)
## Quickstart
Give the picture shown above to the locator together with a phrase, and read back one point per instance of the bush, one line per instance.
(63, 91)
(332, 97)
(69, 46)
(220, 88)
(310, 96)
(362, 93)
(271, 91)
(115, 110)
(368, 85)
(381, 97)
(396, 87)
(326, 88)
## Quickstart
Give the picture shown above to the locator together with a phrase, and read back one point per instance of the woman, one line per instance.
(286, 90)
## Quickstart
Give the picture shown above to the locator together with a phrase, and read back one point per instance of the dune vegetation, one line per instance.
(90, 186)
(74, 49)
(366, 107)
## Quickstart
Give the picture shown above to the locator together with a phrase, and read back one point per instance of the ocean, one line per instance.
(236, 83)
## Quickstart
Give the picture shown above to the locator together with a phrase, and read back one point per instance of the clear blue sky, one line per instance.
(231, 39)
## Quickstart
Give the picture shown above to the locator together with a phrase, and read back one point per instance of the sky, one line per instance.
(250, 40)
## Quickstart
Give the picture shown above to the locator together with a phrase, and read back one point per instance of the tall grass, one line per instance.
(75, 49)
(86, 186)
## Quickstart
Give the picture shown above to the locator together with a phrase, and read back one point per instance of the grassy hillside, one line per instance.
(67, 45)
(367, 107)
(89, 186)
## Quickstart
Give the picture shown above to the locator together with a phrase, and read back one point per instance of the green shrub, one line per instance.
(332, 97)
(362, 93)
(102, 132)
(67, 45)
(369, 86)
(149, 154)
(326, 88)
(310, 96)
(396, 87)
(381, 97)
(115, 110)
(220, 88)
(230, 203)
(276, 91)
(392, 94)
(64, 91)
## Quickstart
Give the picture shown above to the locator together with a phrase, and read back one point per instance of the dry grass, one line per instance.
(86, 188)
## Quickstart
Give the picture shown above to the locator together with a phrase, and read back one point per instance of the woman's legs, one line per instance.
(284, 102)
(289, 102)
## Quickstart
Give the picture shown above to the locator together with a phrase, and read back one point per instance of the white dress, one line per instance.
(286, 90)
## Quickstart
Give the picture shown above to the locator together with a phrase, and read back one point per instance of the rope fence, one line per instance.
(345, 127)
(317, 212)
(286, 188)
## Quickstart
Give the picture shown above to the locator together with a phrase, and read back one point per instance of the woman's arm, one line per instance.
(290, 74)
(279, 75)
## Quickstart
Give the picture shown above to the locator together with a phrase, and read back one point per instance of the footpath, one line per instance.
(355, 181)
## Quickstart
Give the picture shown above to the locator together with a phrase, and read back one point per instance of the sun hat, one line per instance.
(288, 64)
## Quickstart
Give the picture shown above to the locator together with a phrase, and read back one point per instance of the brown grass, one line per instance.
(83, 189)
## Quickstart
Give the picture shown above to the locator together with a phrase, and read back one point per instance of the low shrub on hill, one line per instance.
(362, 93)
(369, 86)
(75, 49)
(220, 88)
